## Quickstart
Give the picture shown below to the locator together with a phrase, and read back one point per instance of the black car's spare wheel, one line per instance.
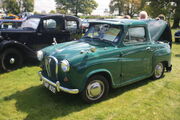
(96, 89)
(158, 71)
(11, 59)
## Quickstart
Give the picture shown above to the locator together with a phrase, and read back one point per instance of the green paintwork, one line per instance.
(124, 64)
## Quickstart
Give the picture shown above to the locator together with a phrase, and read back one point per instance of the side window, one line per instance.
(71, 25)
(135, 35)
(49, 24)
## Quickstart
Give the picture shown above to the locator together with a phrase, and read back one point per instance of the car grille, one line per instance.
(51, 67)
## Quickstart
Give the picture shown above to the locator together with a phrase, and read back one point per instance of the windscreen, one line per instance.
(31, 23)
(105, 32)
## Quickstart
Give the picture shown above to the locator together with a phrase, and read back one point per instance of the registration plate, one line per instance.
(50, 87)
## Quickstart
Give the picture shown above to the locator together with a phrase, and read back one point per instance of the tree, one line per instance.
(132, 7)
(117, 5)
(76, 6)
(176, 14)
(52, 12)
(129, 7)
(166, 7)
(11, 6)
(17, 6)
(162, 5)
(27, 5)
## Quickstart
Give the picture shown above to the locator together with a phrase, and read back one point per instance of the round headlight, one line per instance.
(39, 55)
(65, 66)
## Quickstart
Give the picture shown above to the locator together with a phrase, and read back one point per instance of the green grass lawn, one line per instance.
(23, 97)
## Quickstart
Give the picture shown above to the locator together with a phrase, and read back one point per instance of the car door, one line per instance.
(136, 58)
(72, 25)
(49, 30)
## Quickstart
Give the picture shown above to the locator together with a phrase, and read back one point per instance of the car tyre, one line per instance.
(10, 59)
(96, 89)
(158, 71)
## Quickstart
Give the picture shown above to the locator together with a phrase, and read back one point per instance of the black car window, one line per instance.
(71, 25)
(49, 23)
(135, 35)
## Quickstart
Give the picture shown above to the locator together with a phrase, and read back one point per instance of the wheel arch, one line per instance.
(23, 49)
(105, 73)
(163, 56)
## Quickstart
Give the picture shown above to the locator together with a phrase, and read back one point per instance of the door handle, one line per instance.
(39, 34)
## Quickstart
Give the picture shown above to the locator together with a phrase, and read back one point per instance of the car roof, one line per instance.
(8, 20)
(49, 15)
(118, 21)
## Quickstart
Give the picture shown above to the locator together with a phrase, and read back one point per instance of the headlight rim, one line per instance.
(65, 63)
(40, 55)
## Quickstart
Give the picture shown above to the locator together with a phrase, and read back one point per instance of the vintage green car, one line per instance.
(111, 54)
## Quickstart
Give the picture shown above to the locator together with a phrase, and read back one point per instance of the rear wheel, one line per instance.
(96, 89)
(11, 59)
(158, 71)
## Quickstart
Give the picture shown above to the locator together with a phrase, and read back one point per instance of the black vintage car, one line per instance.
(37, 32)
(177, 36)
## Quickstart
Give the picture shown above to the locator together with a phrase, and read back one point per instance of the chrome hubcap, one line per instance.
(95, 90)
(12, 61)
(158, 70)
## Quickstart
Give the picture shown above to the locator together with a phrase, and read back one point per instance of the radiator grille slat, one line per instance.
(51, 66)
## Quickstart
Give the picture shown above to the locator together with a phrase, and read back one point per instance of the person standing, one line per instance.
(143, 15)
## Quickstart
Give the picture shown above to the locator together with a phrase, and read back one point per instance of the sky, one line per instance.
(48, 5)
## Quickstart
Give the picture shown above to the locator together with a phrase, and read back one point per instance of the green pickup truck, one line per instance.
(111, 54)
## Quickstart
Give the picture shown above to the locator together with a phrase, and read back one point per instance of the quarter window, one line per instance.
(71, 25)
(135, 35)
(49, 24)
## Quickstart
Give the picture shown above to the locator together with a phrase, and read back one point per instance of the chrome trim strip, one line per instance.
(58, 86)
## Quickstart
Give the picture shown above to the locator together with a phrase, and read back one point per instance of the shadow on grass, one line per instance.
(177, 55)
(40, 104)
(121, 90)
(176, 43)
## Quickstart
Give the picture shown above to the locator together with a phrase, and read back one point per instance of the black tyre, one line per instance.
(158, 71)
(10, 59)
(96, 89)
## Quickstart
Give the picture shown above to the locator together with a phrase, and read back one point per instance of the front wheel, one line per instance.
(158, 71)
(96, 89)
(11, 59)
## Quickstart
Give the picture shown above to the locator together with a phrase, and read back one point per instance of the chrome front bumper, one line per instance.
(58, 86)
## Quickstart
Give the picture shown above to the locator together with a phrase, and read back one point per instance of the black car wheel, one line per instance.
(96, 89)
(11, 59)
(158, 71)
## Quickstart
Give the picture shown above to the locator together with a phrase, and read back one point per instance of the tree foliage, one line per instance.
(158, 7)
(129, 7)
(11, 6)
(167, 7)
(52, 12)
(17, 6)
(27, 5)
(76, 6)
